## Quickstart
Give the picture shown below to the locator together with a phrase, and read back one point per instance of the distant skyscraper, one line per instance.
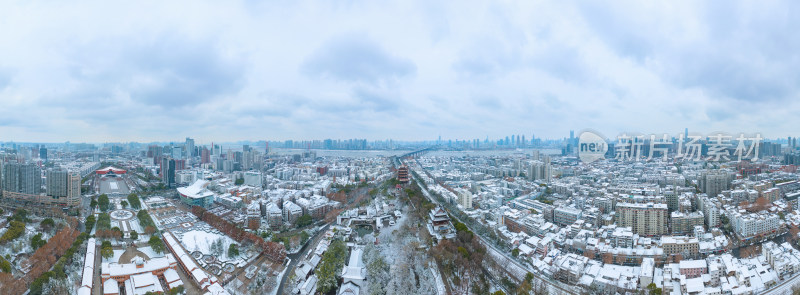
(180, 165)
(686, 133)
(247, 160)
(43, 154)
(189, 146)
(154, 151)
(205, 155)
(177, 152)
(168, 172)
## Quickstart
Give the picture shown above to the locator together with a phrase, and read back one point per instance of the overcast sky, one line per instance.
(410, 70)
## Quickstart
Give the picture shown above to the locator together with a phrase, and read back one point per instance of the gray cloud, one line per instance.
(375, 100)
(169, 71)
(270, 104)
(487, 58)
(563, 62)
(618, 27)
(356, 58)
(183, 73)
(730, 50)
(82, 72)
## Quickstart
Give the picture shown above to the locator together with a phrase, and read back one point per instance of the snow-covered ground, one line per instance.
(197, 240)
(115, 259)
(388, 230)
(404, 271)
(440, 287)
(22, 244)
(149, 252)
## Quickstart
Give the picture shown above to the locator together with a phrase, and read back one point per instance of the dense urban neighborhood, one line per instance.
(506, 217)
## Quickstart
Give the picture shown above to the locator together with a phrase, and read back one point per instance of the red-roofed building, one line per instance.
(111, 170)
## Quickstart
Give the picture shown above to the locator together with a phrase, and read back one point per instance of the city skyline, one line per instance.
(92, 72)
(521, 140)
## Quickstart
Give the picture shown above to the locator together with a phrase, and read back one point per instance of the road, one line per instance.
(785, 287)
(779, 239)
(296, 257)
(553, 287)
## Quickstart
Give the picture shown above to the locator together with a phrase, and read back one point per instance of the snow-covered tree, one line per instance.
(57, 286)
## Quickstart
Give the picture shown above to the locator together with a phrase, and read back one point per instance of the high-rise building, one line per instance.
(205, 156)
(714, 182)
(43, 154)
(683, 223)
(644, 219)
(673, 200)
(22, 178)
(74, 188)
(540, 170)
(189, 146)
(247, 159)
(154, 151)
(10, 177)
(64, 185)
(22, 184)
(769, 149)
(791, 159)
(177, 152)
(180, 165)
(56, 182)
(168, 172)
(710, 211)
